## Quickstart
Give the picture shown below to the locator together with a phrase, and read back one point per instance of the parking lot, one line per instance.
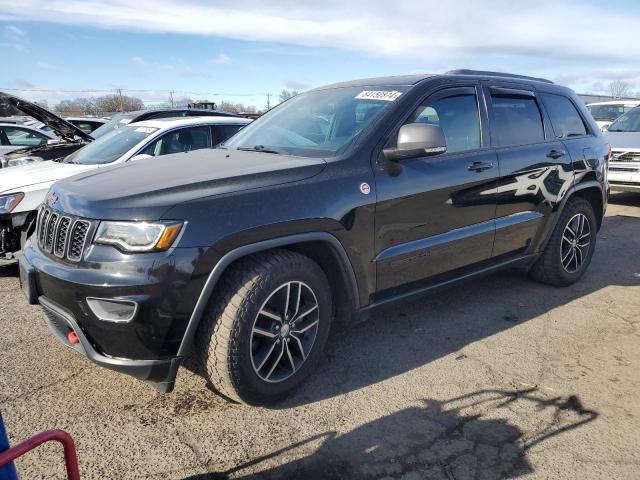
(496, 378)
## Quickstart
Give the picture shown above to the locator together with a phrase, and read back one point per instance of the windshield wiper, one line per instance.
(259, 148)
(615, 130)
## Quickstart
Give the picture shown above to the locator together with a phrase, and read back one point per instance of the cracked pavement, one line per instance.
(496, 378)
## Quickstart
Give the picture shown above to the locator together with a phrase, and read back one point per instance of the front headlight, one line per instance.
(14, 162)
(10, 201)
(138, 236)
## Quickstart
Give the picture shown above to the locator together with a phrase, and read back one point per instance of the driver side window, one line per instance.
(458, 117)
(23, 137)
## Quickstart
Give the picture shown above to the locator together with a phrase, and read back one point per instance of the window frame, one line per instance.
(525, 92)
(445, 91)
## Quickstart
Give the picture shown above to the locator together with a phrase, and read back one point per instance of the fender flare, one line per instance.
(575, 188)
(231, 256)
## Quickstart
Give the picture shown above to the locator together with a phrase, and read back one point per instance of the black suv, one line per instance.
(339, 200)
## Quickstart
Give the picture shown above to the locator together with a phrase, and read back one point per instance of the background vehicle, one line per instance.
(122, 119)
(624, 167)
(337, 201)
(606, 112)
(15, 136)
(86, 124)
(23, 189)
(63, 139)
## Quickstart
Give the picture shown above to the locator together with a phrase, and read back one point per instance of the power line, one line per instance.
(183, 92)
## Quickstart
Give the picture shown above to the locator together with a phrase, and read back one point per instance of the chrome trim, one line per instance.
(136, 307)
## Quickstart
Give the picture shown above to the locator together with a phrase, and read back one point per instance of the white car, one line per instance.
(606, 112)
(14, 136)
(23, 188)
(624, 166)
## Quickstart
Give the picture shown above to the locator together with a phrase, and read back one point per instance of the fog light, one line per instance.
(113, 310)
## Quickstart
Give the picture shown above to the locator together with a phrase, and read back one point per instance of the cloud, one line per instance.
(13, 37)
(45, 66)
(179, 68)
(297, 85)
(542, 38)
(221, 59)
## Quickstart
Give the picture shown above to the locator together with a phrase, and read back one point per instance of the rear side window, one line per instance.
(565, 119)
(457, 116)
(222, 133)
(516, 120)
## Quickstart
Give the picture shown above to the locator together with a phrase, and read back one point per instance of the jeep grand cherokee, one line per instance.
(337, 201)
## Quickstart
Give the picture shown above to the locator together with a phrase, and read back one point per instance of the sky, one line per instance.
(242, 50)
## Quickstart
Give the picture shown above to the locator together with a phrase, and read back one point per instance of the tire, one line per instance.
(555, 267)
(246, 354)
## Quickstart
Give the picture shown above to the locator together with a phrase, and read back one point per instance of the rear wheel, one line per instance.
(571, 246)
(266, 327)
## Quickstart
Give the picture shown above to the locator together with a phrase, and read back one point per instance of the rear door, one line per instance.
(436, 214)
(535, 167)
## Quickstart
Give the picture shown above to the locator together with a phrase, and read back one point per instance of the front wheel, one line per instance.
(571, 246)
(266, 327)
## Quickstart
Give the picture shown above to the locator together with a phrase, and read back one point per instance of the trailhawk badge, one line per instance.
(365, 188)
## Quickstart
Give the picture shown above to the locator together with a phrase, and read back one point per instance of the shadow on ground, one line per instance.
(463, 438)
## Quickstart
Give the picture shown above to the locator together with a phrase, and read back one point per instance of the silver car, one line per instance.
(14, 136)
(624, 137)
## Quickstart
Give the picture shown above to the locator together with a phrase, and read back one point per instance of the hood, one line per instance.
(47, 152)
(61, 127)
(145, 189)
(16, 178)
(621, 140)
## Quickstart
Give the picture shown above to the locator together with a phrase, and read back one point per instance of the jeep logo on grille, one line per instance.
(52, 199)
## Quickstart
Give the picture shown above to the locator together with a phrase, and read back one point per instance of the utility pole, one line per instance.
(120, 95)
(268, 101)
(171, 97)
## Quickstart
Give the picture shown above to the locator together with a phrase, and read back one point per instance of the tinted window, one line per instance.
(516, 120)
(182, 140)
(565, 119)
(608, 113)
(23, 138)
(458, 118)
(224, 132)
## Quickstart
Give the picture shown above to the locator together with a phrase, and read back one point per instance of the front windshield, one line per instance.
(118, 121)
(108, 148)
(607, 113)
(316, 124)
(629, 122)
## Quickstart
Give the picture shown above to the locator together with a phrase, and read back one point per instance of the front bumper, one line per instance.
(146, 347)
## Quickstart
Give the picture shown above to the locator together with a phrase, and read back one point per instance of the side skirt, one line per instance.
(521, 261)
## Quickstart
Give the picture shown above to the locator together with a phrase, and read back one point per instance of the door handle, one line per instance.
(556, 154)
(480, 166)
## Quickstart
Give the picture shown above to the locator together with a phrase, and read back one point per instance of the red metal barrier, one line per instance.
(70, 458)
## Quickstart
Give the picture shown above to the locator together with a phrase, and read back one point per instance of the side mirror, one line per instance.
(417, 140)
(605, 127)
(53, 141)
(140, 156)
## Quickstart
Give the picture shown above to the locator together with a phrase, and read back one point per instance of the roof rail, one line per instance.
(464, 71)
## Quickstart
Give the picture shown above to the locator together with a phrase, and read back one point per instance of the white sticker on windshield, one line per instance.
(386, 95)
(144, 129)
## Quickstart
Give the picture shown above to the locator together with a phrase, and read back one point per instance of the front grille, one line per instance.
(63, 235)
(623, 169)
(622, 156)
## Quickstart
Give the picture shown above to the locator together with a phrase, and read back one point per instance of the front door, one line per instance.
(436, 214)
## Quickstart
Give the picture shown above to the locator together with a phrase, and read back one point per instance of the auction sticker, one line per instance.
(386, 95)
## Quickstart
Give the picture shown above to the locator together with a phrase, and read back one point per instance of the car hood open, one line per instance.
(61, 127)
(145, 189)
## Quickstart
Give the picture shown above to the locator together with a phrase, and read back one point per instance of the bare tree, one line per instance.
(117, 103)
(286, 94)
(619, 89)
